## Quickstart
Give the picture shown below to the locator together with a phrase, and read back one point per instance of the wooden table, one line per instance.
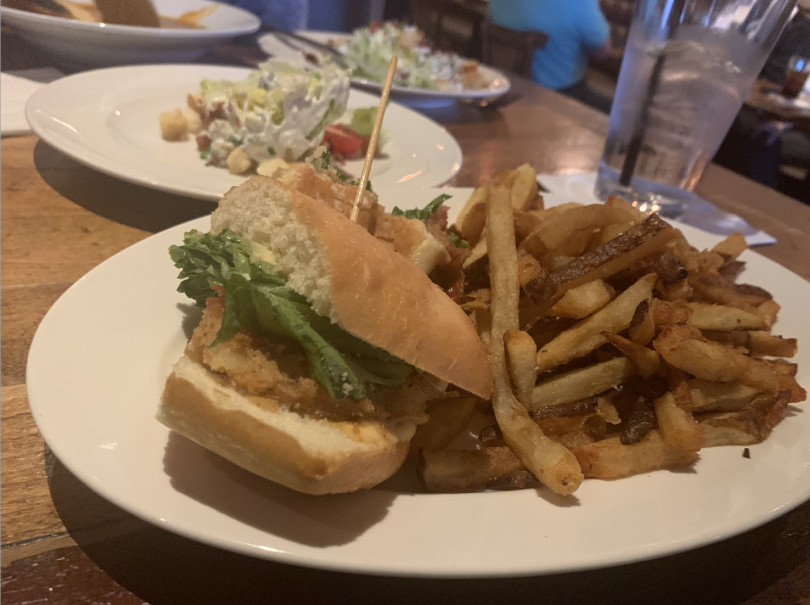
(63, 544)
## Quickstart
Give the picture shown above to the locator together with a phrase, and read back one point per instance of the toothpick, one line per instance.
(372, 143)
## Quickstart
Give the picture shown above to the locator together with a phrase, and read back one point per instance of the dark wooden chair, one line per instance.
(509, 49)
(458, 26)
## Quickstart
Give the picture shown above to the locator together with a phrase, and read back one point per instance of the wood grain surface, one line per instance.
(64, 544)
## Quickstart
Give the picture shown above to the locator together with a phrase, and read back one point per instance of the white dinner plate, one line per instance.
(108, 120)
(82, 44)
(96, 370)
(415, 97)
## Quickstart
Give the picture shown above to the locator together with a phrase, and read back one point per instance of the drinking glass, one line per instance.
(798, 69)
(687, 68)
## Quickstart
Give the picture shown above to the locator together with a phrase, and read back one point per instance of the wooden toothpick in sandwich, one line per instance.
(372, 143)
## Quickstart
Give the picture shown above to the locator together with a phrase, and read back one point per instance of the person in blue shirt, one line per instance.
(576, 29)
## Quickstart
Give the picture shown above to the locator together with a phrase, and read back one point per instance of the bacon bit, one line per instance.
(203, 142)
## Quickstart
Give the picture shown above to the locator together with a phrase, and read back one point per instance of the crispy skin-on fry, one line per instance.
(617, 202)
(715, 289)
(768, 312)
(642, 326)
(610, 459)
(676, 425)
(610, 258)
(750, 425)
(583, 300)
(573, 431)
(723, 318)
(758, 342)
(763, 343)
(448, 418)
(731, 247)
(555, 230)
(586, 336)
(522, 352)
(708, 396)
(673, 411)
(532, 276)
(783, 366)
(524, 187)
(474, 221)
(684, 348)
(646, 361)
(479, 195)
(583, 383)
(551, 463)
(676, 312)
(465, 470)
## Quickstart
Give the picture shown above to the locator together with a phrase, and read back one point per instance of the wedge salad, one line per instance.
(279, 113)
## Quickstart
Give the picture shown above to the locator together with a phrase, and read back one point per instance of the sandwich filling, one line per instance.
(269, 341)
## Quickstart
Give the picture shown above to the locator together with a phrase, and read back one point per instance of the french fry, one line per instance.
(448, 418)
(555, 230)
(551, 463)
(573, 431)
(587, 334)
(465, 470)
(524, 187)
(723, 318)
(763, 343)
(522, 351)
(646, 361)
(474, 221)
(479, 195)
(758, 342)
(582, 383)
(745, 427)
(683, 347)
(616, 202)
(768, 312)
(709, 396)
(715, 289)
(676, 425)
(583, 300)
(731, 247)
(676, 312)
(642, 326)
(610, 459)
(614, 256)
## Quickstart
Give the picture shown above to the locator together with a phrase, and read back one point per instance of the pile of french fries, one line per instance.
(616, 347)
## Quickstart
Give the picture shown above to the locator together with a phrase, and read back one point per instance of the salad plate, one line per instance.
(413, 96)
(78, 43)
(108, 120)
(94, 402)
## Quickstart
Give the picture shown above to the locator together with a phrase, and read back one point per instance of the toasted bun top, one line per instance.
(358, 281)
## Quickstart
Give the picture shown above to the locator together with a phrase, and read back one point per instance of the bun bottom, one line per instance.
(310, 455)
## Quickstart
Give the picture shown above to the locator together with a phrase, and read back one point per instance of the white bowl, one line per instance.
(78, 43)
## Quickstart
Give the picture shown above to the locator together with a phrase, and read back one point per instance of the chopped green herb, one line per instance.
(425, 213)
(457, 240)
(326, 159)
(271, 151)
(205, 153)
(342, 176)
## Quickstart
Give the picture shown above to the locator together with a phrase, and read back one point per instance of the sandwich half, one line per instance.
(318, 347)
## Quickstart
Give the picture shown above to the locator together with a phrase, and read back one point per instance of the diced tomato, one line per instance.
(343, 141)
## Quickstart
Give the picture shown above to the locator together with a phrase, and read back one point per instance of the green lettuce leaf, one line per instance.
(258, 299)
